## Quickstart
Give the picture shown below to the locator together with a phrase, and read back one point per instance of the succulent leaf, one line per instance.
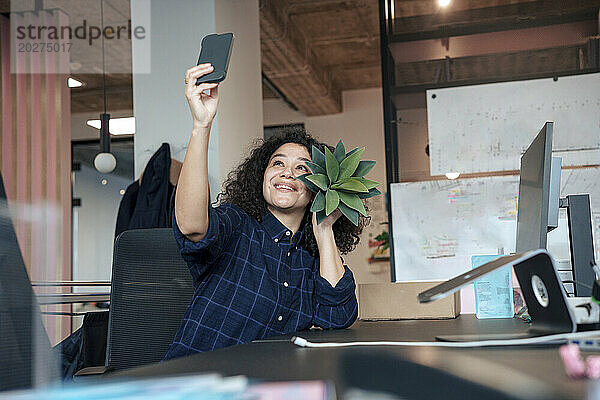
(364, 167)
(352, 151)
(340, 151)
(321, 216)
(320, 180)
(349, 164)
(310, 186)
(318, 157)
(372, 193)
(332, 199)
(332, 166)
(352, 185)
(349, 213)
(369, 184)
(318, 203)
(315, 168)
(352, 201)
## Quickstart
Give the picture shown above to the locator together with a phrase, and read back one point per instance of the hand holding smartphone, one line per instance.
(216, 50)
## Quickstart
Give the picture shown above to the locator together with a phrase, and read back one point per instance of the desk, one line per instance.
(530, 372)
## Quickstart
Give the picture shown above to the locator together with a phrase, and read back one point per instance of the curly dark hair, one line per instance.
(243, 188)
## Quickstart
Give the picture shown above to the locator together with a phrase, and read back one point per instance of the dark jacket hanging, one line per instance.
(148, 204)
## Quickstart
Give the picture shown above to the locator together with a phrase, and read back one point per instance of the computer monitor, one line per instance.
(24, 344)
(539, 190)
(554, 200)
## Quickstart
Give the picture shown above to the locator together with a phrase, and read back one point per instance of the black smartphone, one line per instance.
(216, 49)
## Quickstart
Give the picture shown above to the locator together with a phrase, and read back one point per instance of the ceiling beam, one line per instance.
(492, 68)
(291, 65)
(497, 42)
(358, 76)
(493, 19)
(92, 99)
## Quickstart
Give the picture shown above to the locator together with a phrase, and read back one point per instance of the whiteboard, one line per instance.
(438, 225)
(487, 127)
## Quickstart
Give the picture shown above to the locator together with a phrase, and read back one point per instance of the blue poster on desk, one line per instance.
(493, 292)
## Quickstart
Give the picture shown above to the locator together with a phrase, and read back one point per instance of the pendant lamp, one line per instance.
(104, 162)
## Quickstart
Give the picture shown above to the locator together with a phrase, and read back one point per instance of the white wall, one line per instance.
(159, 104)
(240, 115)
(94, 223)
(160, 108)
(413, 162)
(360, 124)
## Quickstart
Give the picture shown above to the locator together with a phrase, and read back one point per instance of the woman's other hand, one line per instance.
(325, 228)
(330, 262)
(202, 105)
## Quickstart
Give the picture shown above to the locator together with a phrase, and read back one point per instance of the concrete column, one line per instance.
(172, 45)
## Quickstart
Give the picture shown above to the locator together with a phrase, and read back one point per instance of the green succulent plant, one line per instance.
(338, 179)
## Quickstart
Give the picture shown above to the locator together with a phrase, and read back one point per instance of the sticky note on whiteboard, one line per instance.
(493, 292)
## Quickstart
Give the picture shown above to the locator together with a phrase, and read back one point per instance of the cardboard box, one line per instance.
(385, 301)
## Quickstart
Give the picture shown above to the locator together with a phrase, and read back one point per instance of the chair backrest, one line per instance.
(24, 345)
(151, 288)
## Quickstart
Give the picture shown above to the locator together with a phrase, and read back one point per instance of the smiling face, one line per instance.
(281, 191)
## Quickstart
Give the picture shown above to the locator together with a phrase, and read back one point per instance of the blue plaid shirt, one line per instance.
(253, 280)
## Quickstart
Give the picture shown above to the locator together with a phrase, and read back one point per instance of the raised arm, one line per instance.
(334, 300)
(192, 196)
(331, 268)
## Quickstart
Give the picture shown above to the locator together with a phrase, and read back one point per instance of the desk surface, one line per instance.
(520, 372)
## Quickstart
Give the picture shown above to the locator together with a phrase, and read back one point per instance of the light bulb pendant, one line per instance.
(104, 161)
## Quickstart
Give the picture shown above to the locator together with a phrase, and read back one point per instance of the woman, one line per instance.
(260, 263)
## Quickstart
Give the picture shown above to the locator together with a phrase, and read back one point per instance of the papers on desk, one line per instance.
(207, 386)
(493, 292)
(299, 390)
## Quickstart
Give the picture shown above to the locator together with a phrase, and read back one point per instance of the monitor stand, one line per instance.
(580, 242)
(544, 297)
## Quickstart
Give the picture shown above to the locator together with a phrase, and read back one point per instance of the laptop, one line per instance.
(542, 290)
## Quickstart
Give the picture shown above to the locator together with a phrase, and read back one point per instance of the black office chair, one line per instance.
(24, 344)
(151, 288)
